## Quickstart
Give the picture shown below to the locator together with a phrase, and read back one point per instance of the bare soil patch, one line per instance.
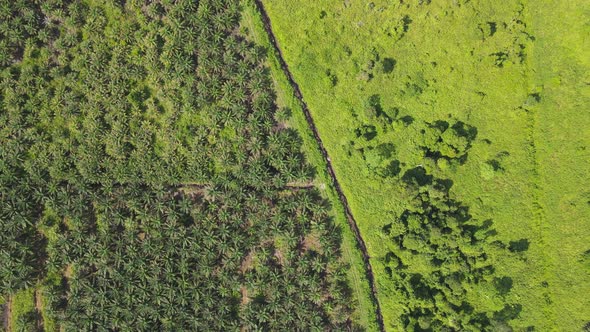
(247, 262)
(279, 256)
(39, 309)
(7, 315)
(312, 242)
(245, 298)
(69, 271)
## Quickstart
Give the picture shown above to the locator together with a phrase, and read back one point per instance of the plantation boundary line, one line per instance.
(351, 221)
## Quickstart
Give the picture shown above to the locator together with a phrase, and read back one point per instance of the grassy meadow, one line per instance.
(491, 99)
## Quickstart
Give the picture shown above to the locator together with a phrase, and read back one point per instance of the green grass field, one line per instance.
(23, 311)
(379, 77)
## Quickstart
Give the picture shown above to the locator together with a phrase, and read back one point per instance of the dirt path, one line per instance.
(39, 310)
(299, 187)
(311, 123)
(7, 314)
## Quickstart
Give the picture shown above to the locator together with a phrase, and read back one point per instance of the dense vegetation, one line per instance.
(456, 131)
(150, 178)
(146, 183)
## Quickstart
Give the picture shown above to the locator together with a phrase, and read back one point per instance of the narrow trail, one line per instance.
(311, 124)
(7, 314)
(539, 222)
(203, 186)
(38, 310)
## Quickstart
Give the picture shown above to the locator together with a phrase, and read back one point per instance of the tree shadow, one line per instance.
(367, 131)
(392, 169)
(407, 120)
(388, 65)
(496, 166)
(503, 285)
(445, 184)
(417, 176)
(519, 246)
(465, 130)
(440, 125)
(509, 312)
